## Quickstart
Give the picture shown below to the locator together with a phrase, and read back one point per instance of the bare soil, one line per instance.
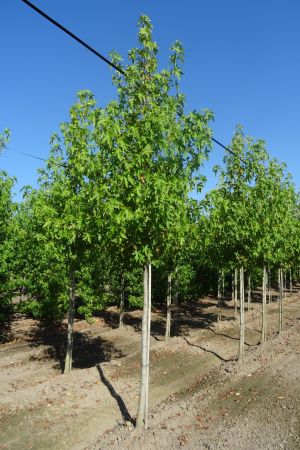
(200, 396)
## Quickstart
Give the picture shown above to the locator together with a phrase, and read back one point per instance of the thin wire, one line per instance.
(72, 35)
(227, 149)
(30, 155)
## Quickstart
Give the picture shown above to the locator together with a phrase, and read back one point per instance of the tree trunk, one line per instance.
(122, 301)
(242, 316)
(235, 291)
(269, 287)
(148, 343)
(69, 352)
(169, 302)
(280, 289)
(249, 293)
(142, 412)
(291, 282)
(176, 298)
(264, 307)
(223, 288)
(219, 318)
(279, 285)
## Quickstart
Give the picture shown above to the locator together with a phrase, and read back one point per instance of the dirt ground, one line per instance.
(200, 396)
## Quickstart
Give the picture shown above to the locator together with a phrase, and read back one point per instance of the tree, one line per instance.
(6, 213)
(274, 201)
(231, 219)
(38, 267)
(157, 151)
(67, 199)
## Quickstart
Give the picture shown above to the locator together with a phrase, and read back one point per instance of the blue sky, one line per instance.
(242, 61)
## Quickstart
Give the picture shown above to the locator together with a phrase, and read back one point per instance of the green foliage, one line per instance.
(39, 268)
(6, 231)
(157, 151)
(116, 194)
(251, 219)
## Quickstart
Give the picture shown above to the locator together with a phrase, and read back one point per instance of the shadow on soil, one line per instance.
(196, 316)
(209, 351)
(90, 350)
(123, 409)
(6, 323)
(87, 351)
(189, 315)
(231, 337)
(111, 319)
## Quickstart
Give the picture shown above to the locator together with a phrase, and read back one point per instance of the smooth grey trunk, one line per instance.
(176, 298)
(280, 289)
(122, 301)
(232, 288)
(242, 316)
(291, 282)
(235, 290)
(249, 293)
(69, 351)
(142, 412)
(169, 302)
(269, 287)
(264, 307)
(219, 318)
(148, 343)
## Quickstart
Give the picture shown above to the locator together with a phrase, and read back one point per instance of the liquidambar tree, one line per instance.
(6, 232)
(157, 152)
(66, 194)
(231, 219)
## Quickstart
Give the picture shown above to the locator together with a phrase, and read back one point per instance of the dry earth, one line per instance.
(200, 397)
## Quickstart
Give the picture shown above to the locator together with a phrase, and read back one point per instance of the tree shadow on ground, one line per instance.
(190, 315)
(6, 334)
(123, 409)
(209, 351)
(111, 319)
(182, 325)
(196, 306)
(87, 351)
(182, 321)
(230, 337)
(197, 317)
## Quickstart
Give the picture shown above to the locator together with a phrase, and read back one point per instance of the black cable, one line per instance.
(65, 30)
(227, 149)
(61, 27)
(30, 155)
(24, 153)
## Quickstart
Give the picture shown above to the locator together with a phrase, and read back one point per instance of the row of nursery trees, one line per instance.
(114, 201)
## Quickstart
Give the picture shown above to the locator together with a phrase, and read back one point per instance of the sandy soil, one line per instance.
(200, 397)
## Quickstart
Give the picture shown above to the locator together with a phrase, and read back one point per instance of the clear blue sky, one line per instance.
(242, 61)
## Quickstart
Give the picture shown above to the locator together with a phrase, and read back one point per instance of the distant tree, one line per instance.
(6, 213)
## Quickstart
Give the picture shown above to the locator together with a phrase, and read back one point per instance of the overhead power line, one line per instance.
(30, 155)
(227, 149)
(73, 36)
(103, 58)
(24, 153)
